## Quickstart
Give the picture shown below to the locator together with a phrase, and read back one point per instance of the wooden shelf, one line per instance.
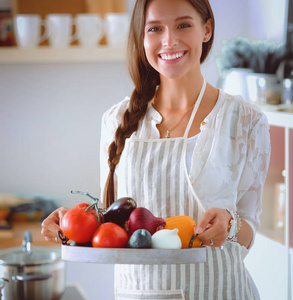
(72, 54)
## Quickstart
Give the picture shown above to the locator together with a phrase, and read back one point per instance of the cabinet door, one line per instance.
(273, 214)
(268, 266)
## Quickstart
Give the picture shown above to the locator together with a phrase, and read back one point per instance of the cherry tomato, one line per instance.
(79, 225)
(110, 235)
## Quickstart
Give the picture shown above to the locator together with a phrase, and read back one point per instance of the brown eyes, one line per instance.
(181, 26)
(184, 25)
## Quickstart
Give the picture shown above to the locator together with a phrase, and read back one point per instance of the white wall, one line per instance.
(267, 19)
(50, 114)
(50, 125)
(49, 139)
(50, 122)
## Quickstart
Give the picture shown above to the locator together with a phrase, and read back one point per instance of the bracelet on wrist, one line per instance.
(234, 226)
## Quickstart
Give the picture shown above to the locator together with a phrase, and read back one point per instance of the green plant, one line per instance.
(260, 56)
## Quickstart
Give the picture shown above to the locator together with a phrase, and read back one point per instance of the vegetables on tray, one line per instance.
(119, 211)
(141, 238)
(123, 224)
(79, 224)
(166, 239)
(185, 225)
(142, 218)
(110, 235)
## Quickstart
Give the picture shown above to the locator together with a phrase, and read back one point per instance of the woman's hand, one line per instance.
(213, 227)
(50, 225)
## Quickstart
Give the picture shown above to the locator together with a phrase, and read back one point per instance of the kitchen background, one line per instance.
(50, 117)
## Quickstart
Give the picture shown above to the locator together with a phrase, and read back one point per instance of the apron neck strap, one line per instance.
(195, 107)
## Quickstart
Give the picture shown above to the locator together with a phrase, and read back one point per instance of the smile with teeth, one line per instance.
(166, 56)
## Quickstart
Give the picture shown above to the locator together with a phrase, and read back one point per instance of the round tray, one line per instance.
(133, 256)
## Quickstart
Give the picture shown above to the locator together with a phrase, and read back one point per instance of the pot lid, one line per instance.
(37, 256)
(28, 255)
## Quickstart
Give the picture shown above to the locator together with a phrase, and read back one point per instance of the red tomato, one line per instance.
(84, 205)
(110, 235)
(79, 225)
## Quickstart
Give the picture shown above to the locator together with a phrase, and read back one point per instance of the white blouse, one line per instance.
(230, 158)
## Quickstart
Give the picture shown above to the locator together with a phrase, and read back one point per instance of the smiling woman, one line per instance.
(175, 38)
(217, 182)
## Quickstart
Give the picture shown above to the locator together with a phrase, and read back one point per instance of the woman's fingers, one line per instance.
(50, 225)
(213, 237)
(213, 225)
(50, 233)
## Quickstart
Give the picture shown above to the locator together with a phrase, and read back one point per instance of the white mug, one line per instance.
(116, 28)
(90, 29)
(27, 30)
(60, 30)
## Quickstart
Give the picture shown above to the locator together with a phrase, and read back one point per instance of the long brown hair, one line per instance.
(145, 79)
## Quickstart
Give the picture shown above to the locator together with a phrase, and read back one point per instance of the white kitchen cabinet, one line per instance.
(267, 264)
(277, 198)
(272, 251)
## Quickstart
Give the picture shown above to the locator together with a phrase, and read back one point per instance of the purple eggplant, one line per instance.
(119, 211)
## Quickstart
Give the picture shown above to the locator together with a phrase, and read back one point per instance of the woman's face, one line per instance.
(173, 37)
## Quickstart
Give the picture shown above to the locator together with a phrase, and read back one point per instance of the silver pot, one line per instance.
(31, 273)
(2, 281)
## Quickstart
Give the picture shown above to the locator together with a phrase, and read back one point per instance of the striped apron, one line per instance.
(154, 173)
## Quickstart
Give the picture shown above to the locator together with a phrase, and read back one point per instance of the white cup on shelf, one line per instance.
(90, 28)
(27, 30)
(116, 29)
(60, 30)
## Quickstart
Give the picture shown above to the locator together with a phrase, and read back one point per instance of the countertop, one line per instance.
(13, 237)
(73, 292)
